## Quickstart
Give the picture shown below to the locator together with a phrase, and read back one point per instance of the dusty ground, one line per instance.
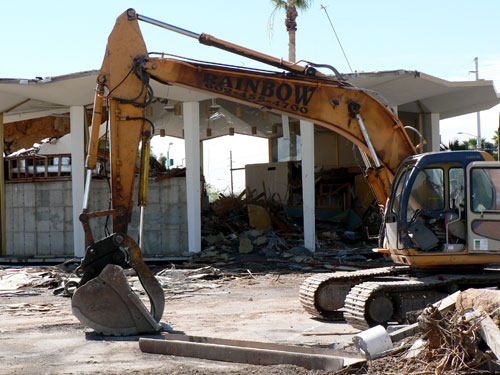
(39, 335)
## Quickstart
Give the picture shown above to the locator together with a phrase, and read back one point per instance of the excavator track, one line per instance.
(322, 295)
(371, 303)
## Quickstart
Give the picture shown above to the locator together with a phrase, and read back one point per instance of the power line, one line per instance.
(338, 39)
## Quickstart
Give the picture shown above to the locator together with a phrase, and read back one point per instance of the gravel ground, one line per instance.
(40, 335)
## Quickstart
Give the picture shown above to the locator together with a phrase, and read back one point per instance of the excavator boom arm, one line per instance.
(322, 101)
(333, 104)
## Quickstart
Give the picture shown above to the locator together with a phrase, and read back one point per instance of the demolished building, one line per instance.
(42, 192)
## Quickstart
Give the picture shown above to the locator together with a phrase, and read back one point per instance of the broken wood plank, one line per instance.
(490, 334)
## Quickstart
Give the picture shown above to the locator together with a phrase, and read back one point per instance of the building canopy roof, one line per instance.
(410, 91)
(413, 91)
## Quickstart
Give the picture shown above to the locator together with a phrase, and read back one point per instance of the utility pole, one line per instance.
(478, 141)
(231, 169)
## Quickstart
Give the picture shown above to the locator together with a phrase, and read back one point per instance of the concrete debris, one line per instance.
(246, 246)
(274, 228)
(268, 250)
(235, 231)
(241, 351)
(260, 241)
(230, 235)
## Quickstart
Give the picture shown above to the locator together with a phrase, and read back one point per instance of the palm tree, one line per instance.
(470, 144)
(291, 7)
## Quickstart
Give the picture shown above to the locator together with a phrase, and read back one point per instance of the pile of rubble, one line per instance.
(238, 229)
(22, 281)
(459, 338)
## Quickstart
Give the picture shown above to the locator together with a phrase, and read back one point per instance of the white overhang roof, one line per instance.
(410, 91)
(34, 98)
(413, 91)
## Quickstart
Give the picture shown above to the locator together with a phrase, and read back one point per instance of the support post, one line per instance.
(307, 140)
(191, 113)
(77, 125)
(3, 226)
(431, 131)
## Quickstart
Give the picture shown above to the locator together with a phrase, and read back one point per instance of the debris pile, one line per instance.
(234, 214)
(250, 227)
(465, 340)
(16, 281)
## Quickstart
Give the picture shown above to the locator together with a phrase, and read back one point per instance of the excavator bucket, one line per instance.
(108, 305)
(106, 302)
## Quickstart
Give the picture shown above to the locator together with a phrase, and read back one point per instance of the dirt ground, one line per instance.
(39, 334)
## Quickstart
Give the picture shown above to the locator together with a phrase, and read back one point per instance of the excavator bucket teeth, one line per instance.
(117, 310)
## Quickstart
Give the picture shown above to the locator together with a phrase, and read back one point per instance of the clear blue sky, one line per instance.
(441, 38)
(438, 37)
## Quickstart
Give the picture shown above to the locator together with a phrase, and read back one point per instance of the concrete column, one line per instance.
(431, 131)
(202, 160)
(308, 203)
(3, 225)
(191, 112)
(77, 124)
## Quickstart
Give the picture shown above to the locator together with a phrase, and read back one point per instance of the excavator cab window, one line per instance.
(455, 231)
(484, 207)
(401, 184)
(427, 192)
(484, 193)
(426, 198)
(456, 190)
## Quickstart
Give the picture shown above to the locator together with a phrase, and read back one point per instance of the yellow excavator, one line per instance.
(442, 210)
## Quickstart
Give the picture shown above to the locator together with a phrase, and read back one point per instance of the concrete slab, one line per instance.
(231, 351)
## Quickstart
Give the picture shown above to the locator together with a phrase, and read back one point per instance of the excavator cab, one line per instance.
(441, 204)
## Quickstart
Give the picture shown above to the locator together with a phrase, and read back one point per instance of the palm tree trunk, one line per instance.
(291, 27)
(291, 45)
